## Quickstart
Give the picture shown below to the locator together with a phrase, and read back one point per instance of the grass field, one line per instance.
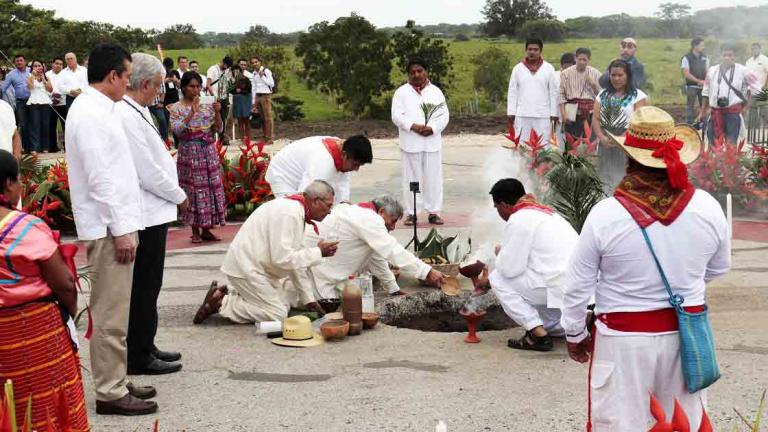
(661, 58)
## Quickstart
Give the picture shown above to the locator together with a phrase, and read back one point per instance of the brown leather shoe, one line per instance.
(141, 392)
(127, 405)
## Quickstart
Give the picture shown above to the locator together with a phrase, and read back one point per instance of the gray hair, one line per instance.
(144, 67)
(390, 205)
(319, 189)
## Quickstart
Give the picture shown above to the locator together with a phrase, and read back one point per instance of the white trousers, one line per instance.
(626, 369)
(542, 126)
(258, 298)
(427, 169)
(527, 307)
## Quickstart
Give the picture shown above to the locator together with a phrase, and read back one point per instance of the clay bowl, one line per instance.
(370, 319)
(334, 330)
(330, 304)
(472, 270)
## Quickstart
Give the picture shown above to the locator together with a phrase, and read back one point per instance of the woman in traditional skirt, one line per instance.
(197, 162)
(37, 297)
(241, 102)
(619, 100)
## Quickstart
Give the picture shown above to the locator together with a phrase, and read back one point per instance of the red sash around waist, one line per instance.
(657, 321)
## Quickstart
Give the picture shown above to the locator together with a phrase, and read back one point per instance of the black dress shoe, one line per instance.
(156, 367)
(169, 356)
(141, 392)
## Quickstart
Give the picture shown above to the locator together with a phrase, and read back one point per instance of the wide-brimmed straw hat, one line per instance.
(650, 129)
(298, 332)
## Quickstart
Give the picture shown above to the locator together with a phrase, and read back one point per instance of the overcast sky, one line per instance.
(282, 16)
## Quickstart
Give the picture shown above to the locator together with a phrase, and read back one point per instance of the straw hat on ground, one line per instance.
(298, 332)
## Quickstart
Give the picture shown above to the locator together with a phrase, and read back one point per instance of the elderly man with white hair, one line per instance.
(268, 252)
(365, 244)
(160, 197)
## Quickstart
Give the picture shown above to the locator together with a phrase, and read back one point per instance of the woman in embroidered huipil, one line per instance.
(621, 99)
(197, 162)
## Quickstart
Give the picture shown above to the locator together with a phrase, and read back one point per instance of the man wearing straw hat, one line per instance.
(654, 244)
(266, 253)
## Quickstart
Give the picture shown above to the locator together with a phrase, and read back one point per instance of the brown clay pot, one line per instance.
(335, 330)
(370, 319)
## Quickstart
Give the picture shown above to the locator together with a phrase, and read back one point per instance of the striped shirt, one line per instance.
(574, 85)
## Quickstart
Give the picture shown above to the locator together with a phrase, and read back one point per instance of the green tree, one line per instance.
(492, 73)
(348, 59)
(179, 36)
(413, 44)
(506, 17)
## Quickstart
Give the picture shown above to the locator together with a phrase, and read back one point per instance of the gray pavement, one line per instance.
(392, 379)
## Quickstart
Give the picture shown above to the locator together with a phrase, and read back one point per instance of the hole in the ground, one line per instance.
(435, 312)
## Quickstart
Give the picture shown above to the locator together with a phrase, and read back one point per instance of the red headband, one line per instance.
(669, 151)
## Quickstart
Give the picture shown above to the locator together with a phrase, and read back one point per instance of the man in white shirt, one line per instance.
(219, 78)
(533, 96)
(267, 251)
(183, 63)
(59, 105)
(635, 349)
(421, 140)
(73, 79)
(365, 244)
(726, 95)
(758, 65)
(529, 272)
(106, 203)
(160, 196)
(10, 139)
(303, 161)
(262, 88)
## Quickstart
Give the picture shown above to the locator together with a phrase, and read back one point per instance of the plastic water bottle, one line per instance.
(366, 286)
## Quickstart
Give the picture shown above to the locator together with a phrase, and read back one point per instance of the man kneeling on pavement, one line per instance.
(530, 265)
(267, 252)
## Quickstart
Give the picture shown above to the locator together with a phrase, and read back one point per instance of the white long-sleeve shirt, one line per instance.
(613, 263)
(533, 95)
(103, 183)
(303, 161)
(363, 240)
(262, 84)
(534, 254)
(406, 111)
(271, 243)
(72, 80)
(158, 178)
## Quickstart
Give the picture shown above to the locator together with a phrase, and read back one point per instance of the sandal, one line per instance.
(211, 304)
(531, 342)
(435, 219)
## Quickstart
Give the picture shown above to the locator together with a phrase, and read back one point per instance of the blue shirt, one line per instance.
(19, 82)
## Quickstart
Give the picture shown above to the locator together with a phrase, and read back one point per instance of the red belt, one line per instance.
(657, 321)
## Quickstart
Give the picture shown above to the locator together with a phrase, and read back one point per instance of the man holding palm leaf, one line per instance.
(421, 114)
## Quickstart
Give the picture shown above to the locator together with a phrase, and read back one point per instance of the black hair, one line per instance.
(9, 169)
(57, 58)
(358, 147)
(586, 51)
(105, 58)
(508, 191)
(188, 77)
(567, 58)
(178, 59)
(416, 61)
(534, 41)
(618, 63)
(168, 63)
(695, 41)
(227, 60)
(19, 56)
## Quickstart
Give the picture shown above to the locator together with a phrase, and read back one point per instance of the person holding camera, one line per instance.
(726, 95)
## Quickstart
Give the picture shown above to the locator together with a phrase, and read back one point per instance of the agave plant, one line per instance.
(613, 119)
(574, 187)
(430, 109)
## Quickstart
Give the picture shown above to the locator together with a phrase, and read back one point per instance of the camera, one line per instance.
(722, 102)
